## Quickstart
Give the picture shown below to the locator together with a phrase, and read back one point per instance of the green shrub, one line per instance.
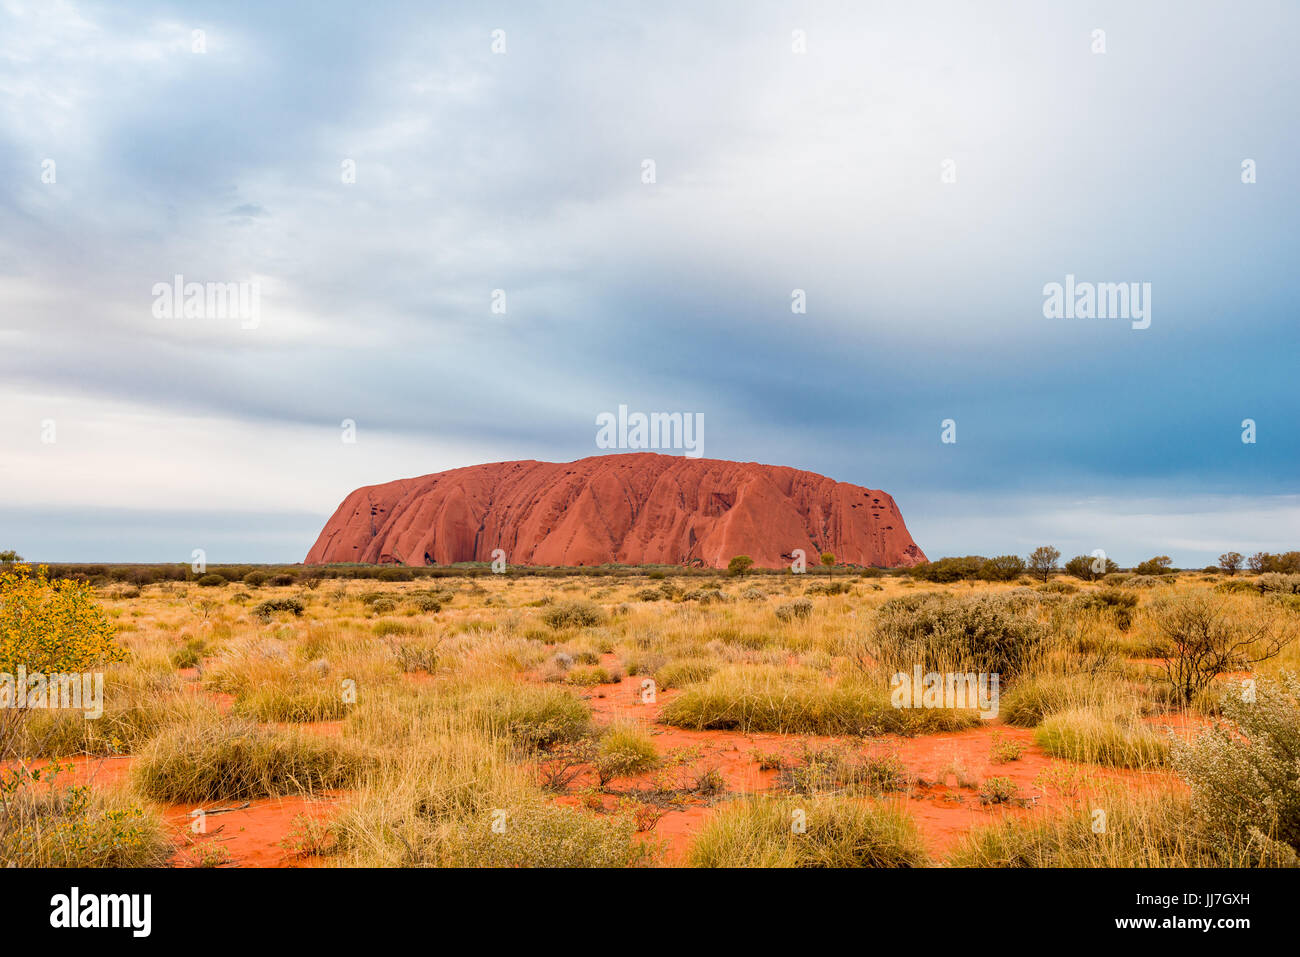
(1116, 602)
(428, 604)
(796, 610)
(1244, 774)
(828, 588)
(998, 790)
(705, 596)
(189, 654)
(266, 610)
(49, 825)
(573, 614)
(210, 580)
(1002, 568)
(944, 570)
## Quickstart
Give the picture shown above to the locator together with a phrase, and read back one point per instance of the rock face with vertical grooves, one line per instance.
(634, 508)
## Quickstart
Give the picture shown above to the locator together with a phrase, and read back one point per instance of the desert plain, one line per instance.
(301, 717)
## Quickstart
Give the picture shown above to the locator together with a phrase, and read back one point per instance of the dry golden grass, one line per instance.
(448, 691)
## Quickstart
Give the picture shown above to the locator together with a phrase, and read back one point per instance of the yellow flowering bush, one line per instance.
(52, 626)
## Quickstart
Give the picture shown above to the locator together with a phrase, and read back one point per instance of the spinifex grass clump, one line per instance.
(543, 835)
(802, 701)
(304, 700)
(1112, 737)
(139, 702)
(1034, 697)
(809, 832)
(993, 634)
(233, 759)
(533, 716)
(624, 750)
(1114, 828)
(462, 800)
(683, 671)
(588, 675)
(417, 654)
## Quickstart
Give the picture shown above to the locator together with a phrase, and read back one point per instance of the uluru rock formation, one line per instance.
(632, 508)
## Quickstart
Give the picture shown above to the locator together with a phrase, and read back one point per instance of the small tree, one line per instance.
(10, 556)
(1230, 562)
(1286, 564)
(1160, 565)
(1201, 641)
(1089, 567)
(1258, 562)
(1042, 561)
(1002, 568)
(828, 559)
(739, 564)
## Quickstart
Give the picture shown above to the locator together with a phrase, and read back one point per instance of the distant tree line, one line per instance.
(1042, 563)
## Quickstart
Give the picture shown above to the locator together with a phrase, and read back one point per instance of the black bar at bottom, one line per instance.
(331, 907)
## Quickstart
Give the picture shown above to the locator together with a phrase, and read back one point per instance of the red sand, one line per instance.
(945, 808)
(947, 770)
(252, 836)
(634, 508)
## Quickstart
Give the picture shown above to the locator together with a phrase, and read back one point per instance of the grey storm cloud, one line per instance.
(476, 171)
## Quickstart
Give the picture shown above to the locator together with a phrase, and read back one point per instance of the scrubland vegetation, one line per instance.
(645, 717)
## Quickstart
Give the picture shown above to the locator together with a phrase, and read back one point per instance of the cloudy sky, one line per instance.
(133, 150)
